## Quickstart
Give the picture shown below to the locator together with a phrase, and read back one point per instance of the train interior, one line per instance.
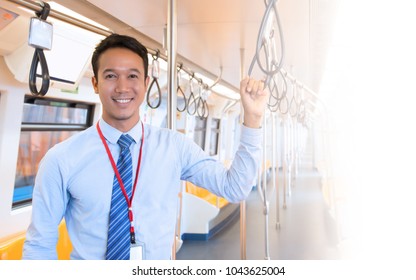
(306, 203)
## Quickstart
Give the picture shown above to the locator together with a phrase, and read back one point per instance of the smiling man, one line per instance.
(117, 183)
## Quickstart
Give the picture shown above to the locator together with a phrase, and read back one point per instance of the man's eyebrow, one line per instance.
(113, 70)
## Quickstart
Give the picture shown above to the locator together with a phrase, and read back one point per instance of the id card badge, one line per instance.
(137, 251)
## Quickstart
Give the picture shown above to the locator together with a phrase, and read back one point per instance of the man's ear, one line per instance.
(94, 83)
(146, 82)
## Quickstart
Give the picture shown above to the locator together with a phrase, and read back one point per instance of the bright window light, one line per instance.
(66, 11)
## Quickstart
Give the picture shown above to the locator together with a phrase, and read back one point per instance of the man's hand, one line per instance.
(254, 99)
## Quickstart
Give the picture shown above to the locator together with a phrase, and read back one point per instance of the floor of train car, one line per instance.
(307, 230)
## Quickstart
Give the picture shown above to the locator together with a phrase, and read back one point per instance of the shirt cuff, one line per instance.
(251, 136)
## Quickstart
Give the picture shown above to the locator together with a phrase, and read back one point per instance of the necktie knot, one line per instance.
(125, 141)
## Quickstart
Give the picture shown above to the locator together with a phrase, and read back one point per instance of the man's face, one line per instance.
(121, 86)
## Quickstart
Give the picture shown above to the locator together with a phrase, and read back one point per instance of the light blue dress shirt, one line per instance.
(75, 181)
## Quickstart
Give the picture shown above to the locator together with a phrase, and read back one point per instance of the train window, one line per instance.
(45, 122)
(200, 131)
(38, 111)
(215, 132)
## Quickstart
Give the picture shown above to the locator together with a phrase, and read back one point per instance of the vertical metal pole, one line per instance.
(294, 149)
(243, 250)
(217, 199)
(243, 238)
(284, 160)
(172, 75)
(264, 183)
(289, 156)
(275, 167)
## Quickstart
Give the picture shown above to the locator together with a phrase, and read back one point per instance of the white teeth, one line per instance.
(122, 100)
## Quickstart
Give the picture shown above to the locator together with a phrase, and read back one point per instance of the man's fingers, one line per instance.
(252, 86)
(243, 83)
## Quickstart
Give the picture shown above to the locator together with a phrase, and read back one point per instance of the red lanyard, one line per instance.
(129, 201)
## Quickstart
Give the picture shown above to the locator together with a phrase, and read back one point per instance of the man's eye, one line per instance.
(133, 76)
(110, 76)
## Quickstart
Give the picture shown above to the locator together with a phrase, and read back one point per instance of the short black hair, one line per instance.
(119, 41)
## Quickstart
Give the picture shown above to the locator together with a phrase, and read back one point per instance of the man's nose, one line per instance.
(122, 84)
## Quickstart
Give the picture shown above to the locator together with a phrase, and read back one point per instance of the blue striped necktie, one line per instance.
(118, 243)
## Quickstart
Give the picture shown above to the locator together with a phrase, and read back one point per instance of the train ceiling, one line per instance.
(212, 33)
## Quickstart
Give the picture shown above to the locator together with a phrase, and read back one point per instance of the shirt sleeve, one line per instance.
(235, 183)
(48, 207)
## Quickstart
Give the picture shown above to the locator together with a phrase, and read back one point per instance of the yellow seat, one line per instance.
(11, 248)
(206, 195)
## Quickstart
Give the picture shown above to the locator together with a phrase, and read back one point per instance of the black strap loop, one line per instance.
(39, 58)
(159, 95)
(206, 109)
(180, 91)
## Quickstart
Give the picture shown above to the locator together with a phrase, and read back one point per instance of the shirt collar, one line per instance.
(112, 134)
